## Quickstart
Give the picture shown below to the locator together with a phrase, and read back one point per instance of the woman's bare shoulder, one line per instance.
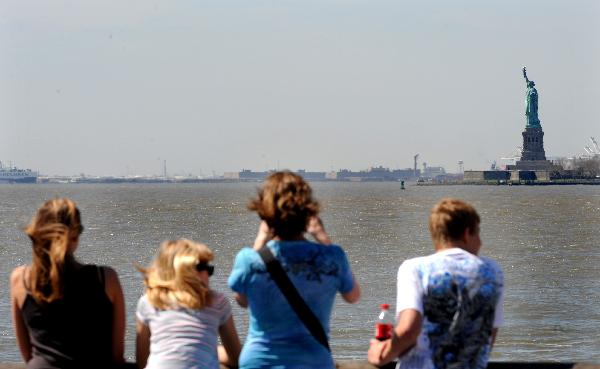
(112, 285)
(111, 274)
(17, 276)
(17, 287)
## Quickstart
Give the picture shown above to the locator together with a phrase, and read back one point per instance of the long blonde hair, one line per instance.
(56, 224)
(172, 280)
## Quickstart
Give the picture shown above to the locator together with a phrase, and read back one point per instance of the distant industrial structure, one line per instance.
(592, 152)
(373, 174)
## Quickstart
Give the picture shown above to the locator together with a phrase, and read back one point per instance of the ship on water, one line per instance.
(10, 174)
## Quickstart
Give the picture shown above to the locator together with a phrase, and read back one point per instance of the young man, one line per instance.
(449, 304)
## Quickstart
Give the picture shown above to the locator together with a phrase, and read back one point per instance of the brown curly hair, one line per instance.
(285, 202)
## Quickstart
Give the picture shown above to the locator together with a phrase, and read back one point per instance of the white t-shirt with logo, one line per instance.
(459, 296)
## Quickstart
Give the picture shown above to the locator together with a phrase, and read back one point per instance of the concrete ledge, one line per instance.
(491, 365)
(365, 365)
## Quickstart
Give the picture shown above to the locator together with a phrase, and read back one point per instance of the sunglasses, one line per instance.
(204, 266)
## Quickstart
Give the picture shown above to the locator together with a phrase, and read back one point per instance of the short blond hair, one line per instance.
(450, 218)
(172, 280)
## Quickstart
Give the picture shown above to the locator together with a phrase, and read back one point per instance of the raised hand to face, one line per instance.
(316, 229)
(264, 235)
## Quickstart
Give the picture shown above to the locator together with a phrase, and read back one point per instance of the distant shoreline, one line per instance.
(557, 182)
(563, 182)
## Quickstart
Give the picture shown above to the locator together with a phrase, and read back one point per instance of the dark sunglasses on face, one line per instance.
(204, 266)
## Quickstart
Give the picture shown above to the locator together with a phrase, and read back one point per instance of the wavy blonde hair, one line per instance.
(172, 280)
(55, 225)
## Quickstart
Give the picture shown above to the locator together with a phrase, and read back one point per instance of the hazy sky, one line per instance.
(115, 87)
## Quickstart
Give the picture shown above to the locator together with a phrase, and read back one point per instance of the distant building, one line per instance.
(377, 174)
(231, 175)
(312, 176)
(248, 175)
(486, 175)
(433, 172)
(405, 174)
(372, 174)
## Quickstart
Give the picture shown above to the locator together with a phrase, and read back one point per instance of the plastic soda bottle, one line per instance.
(385, 324)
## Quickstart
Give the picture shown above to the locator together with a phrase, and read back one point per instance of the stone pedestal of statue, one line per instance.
(533, 144)
(534, 165)
(533, 156)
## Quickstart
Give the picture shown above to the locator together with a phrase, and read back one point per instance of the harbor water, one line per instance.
(547, 240)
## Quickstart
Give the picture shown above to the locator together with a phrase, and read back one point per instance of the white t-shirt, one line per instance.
(459, 296)
(184, 338)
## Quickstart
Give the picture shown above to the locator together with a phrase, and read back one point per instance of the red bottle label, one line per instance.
(383, 331)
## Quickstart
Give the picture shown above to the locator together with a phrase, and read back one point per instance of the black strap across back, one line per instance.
(289, 291)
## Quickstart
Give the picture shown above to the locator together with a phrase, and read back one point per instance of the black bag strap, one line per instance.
(297, 303)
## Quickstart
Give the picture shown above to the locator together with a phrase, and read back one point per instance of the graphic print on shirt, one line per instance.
(312, 266)
(459, 312)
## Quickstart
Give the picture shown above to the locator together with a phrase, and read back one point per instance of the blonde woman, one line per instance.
(66, 314)
(179, 316)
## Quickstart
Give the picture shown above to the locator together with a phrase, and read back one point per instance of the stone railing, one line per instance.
(365, 365)
(491, 365)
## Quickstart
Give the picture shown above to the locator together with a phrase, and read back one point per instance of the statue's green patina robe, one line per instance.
(531, 103)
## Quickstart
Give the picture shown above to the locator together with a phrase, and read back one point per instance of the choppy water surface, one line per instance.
(547, 240)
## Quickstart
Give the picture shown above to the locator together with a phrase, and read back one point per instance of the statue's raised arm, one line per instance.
(525, 75)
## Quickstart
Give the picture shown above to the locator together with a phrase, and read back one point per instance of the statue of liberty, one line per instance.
(531, 107)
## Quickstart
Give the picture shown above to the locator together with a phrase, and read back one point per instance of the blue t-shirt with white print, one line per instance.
(277, 338)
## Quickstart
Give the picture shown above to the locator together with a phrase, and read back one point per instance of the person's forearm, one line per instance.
(241, 299)
(354, 294)
(142, 344)
(21, 332)
(25, 349)
(493, 339)
(400, 345)
(263, 236)
(229, 352)
(23, 341)
(404, 335)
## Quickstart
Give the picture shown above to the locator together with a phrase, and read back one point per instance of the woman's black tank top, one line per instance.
(75, 331)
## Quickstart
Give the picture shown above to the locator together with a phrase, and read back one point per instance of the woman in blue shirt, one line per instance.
(318, 270)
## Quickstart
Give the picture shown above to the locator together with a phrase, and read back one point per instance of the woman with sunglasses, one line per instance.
(66, 314)
(179, 317)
